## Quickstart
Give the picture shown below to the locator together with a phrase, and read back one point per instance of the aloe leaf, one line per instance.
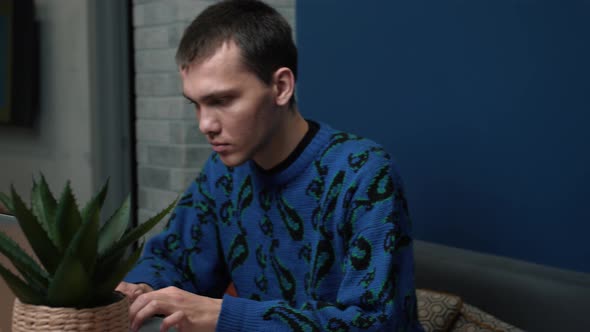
(86, 239)
(96, 202)
(28, 268)
(85, 242)
(47, 253)
(67, 218)
(118, 272)
(102, 272)
(114, 228)
(134, 234)
(71, 284)
(77, 265)
(44, 208)
(6, 201)
(20, 289)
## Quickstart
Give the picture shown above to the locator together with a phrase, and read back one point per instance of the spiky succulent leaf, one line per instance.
(85, 262)
(79, 261)
(104, 264)
(114, 228)
(20, 289)
(28, 268)
(67, 218)
(71, 284)
(96, 203)
(6, 201)
(116, 253)
(119, 268)
(44, 208)
(85, 242)
(47, 253)
(134, 234)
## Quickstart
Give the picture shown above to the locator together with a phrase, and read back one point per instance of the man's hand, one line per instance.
(132, 291)
(183, 310)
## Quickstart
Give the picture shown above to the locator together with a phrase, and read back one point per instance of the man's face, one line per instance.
(235, 109)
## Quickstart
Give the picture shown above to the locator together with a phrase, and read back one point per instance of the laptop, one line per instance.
(4, 218)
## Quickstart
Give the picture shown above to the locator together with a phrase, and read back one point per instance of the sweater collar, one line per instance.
(301, 158)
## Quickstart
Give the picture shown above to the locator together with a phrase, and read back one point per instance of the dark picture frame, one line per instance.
(5, 60)
(18, 63)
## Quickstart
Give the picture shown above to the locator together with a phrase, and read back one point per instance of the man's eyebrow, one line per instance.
(214, 95)
(187, 98)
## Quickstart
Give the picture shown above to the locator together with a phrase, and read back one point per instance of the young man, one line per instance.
(309, 223)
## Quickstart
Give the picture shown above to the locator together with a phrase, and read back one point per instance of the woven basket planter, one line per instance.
(112, 317)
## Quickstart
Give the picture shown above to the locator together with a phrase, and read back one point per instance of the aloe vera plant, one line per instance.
(81, 261)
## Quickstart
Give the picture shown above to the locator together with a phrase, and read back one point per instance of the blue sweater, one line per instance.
(321, 245)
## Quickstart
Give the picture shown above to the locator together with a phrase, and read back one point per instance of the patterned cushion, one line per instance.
(473, 319)
(437, 311)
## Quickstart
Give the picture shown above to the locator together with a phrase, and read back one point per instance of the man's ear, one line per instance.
(284, 85)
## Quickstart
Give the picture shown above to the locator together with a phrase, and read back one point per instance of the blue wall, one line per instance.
(485, 105)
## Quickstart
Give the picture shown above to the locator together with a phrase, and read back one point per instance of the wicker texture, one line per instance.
(113, 317)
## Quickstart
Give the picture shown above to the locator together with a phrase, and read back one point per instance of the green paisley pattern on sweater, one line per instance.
(322, 245)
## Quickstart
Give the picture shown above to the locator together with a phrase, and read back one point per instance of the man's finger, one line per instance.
(137, 305)
(151, 308)
(132, 291)
(150, 304)
(134, 294)
(174, 320)
(145, 288)
(122, 286)
(125, 288)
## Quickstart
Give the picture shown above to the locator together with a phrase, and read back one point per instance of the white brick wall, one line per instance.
(170, 149)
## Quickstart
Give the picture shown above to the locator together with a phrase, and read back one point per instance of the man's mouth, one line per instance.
(220, 147)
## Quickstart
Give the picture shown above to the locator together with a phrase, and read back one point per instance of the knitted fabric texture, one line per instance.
(322, 245)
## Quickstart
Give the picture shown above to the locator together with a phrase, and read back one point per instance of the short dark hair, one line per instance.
(262, 34)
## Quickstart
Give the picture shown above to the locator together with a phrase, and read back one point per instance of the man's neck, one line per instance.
(291, 130)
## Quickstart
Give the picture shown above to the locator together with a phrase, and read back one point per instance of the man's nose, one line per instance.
(208, 122)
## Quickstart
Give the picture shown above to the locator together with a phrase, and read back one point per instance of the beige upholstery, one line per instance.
(441, 312)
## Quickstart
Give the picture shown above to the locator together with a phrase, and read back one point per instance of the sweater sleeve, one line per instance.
(186, 254)
(376, 292)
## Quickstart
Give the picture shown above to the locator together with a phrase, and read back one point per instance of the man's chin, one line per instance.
(231, 160)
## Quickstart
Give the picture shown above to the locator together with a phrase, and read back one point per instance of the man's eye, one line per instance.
(223, 101)
(219, 102)
(195, 105)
